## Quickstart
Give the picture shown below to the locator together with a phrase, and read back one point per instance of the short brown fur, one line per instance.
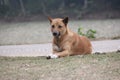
(68, 42)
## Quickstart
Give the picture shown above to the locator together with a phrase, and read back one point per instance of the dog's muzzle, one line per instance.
(56, 34)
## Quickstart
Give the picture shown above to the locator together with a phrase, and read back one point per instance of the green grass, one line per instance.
(88, 67)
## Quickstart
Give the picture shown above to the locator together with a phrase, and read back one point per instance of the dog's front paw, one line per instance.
(52, 56)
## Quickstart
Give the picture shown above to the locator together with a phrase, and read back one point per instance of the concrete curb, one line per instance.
(34, 50)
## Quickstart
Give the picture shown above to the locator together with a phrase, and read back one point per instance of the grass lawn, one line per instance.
(88, 67)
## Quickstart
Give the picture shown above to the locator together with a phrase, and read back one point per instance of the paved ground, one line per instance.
(46, 49)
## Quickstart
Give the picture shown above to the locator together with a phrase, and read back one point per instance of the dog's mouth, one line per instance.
(56, 34)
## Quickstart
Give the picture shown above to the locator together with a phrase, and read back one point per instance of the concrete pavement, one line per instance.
(46, 49)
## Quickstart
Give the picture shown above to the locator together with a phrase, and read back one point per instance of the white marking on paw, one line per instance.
(53, 56)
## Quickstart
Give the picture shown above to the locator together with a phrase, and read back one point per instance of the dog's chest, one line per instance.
(57, 48)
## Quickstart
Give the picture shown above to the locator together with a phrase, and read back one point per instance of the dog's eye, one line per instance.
(59, 26)
(53, 26)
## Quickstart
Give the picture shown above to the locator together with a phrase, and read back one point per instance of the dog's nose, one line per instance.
(54, 34)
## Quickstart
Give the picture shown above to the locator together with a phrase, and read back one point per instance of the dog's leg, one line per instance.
(59, 54)
(63, 53)
(56, 48)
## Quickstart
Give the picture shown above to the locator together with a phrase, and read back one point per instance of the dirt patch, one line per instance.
(88, 67)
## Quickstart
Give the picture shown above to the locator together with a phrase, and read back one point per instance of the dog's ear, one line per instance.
(65, 20)
(50, 19)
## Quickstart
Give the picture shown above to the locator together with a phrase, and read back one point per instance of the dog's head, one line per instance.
(58, 26)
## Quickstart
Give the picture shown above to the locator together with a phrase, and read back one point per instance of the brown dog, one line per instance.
(66, 42)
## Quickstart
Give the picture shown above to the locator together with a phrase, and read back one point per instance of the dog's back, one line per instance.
(80, 45)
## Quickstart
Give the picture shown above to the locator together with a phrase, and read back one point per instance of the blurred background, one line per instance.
(25, 21)
(76, 9)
